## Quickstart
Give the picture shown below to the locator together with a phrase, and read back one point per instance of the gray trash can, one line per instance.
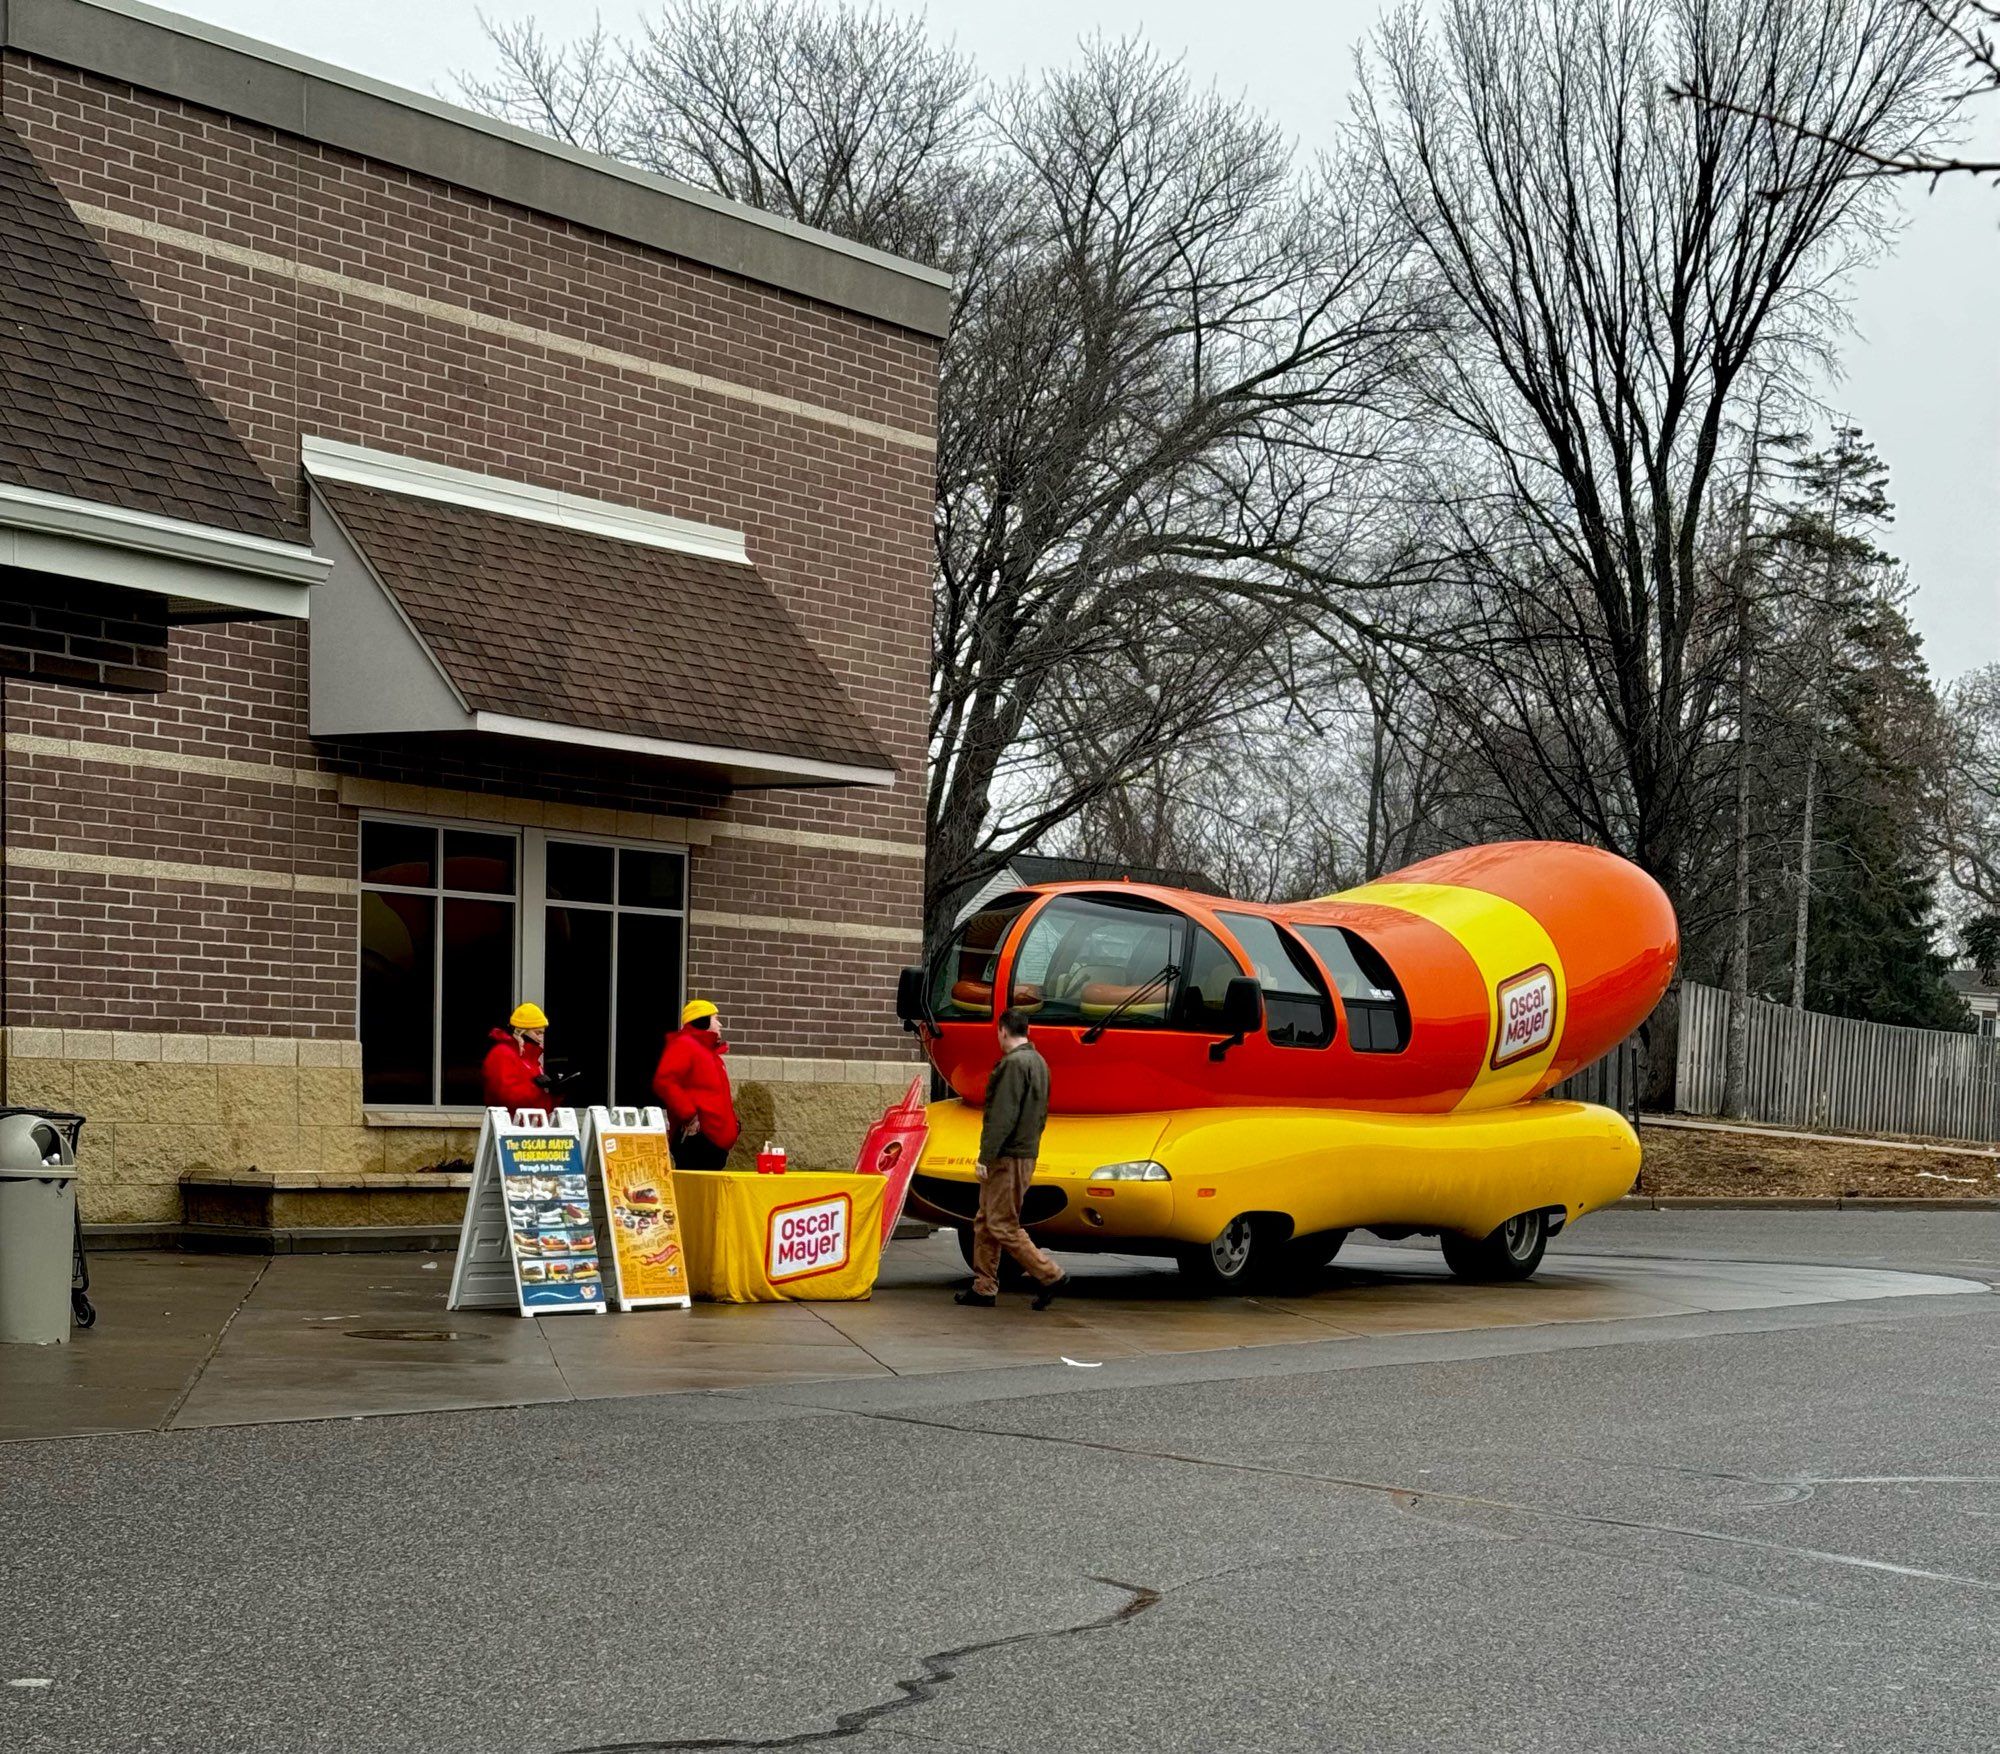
(38, 1229)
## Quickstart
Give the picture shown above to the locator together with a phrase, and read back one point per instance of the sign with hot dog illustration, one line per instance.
(648, 1258)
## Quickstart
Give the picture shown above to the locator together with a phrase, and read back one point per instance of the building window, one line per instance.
(458, 924)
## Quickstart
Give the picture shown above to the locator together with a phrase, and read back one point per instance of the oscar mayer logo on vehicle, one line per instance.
(1527, 1006)
(810, 1237)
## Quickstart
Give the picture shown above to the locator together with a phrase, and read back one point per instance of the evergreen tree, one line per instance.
(1862, 725)
(1873, 952)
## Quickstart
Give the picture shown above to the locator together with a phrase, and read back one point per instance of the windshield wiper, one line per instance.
(1165, 977)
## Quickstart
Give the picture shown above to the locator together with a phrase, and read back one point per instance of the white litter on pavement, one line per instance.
(32, 1681)
(1931, 1175)
(1085, 1364)
(430, 1266)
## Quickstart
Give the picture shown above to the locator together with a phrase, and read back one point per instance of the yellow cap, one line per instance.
(695, 1008)
(528, 1017)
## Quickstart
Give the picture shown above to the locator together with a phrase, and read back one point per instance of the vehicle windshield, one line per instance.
(1086, 956)
(964, 972)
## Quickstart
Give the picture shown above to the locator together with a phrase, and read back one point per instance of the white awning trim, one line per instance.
(413, 477)
(195, 566)
(745, 766)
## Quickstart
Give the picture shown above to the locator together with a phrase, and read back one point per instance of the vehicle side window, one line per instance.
(1100, 959)
(1297, 1011)
(962, 977)
(1378, 1016)
(1210, 969)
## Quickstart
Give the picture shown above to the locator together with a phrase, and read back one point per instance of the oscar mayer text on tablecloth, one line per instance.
(810, 1236)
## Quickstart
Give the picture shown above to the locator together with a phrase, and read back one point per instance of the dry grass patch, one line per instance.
(1683, 1162)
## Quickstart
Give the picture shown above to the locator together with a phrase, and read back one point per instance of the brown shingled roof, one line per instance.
(94, 403)
(561, 625)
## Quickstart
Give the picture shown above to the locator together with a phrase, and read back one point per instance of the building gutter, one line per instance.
(197, 568)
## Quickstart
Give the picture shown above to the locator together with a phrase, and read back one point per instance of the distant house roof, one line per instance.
(1970, 984)
(1042, 868)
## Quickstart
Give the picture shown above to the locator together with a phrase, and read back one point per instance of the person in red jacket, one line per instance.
(513, 1071)
(693, 1084)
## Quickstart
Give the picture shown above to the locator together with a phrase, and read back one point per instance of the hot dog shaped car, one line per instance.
(1239, 1085)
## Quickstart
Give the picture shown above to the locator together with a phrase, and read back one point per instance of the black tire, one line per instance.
(1307, 1254)
(1241, 1259)
(1011, 1271)
(1510, 1253)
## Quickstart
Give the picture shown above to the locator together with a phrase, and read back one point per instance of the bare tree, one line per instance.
(1342, 780)
(1966, 808)
(1970, 25)
(1160, 395)
(1621, 281)
(848, 118)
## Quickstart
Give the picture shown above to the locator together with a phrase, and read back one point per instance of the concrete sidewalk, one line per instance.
(190, 1341)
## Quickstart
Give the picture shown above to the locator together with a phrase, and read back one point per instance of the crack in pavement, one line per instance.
(1405, 1497)
(913, 1690)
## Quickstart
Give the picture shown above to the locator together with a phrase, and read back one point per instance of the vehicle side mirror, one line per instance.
(1243, 1006)
(1242, 1013)
(913, 997)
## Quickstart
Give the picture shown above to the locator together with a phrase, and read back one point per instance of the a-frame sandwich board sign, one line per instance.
(529, 1238)
(627, 1149)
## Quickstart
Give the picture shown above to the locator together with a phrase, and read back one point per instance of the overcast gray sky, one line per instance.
(1921, 375)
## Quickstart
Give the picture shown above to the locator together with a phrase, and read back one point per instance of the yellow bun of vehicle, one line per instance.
(1232, 1193)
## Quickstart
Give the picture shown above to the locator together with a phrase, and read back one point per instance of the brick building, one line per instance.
(436, 567)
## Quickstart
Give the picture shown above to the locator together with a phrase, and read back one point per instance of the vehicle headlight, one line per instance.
(1140, 1170)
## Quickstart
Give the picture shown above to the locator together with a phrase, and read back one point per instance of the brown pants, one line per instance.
(997, 1226)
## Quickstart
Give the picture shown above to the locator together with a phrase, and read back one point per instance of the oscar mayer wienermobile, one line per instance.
(1241, 1085)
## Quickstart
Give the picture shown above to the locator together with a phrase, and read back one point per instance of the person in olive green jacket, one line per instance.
(1017, 1108)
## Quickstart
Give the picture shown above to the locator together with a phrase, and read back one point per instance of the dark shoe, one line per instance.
(1047, 1294)
(978, 1299)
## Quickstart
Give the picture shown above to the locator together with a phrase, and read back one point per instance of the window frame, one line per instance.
(1396, 1004)
(530, 901)
(1313, 973)
(1184, 925)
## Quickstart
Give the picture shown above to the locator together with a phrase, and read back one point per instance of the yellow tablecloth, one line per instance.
(804, 1236)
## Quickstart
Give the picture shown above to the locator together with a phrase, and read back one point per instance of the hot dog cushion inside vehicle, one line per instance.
(1240, 1084)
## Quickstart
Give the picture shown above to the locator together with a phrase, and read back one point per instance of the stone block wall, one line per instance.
(160, 1105)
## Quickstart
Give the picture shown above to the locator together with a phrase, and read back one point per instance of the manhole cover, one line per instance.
(399, 1333)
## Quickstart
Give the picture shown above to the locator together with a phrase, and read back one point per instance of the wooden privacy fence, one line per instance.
(1612, 1081)
(1839, 1074)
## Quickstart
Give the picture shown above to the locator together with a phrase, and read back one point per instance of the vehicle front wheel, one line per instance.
(1511, 1252)
(1236, 1261)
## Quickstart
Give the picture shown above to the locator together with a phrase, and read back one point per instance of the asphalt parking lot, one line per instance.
(1752, 1527)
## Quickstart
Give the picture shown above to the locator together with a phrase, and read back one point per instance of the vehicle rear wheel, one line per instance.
(1010, 1273)
(1511, 1252)
(1240, 1258)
